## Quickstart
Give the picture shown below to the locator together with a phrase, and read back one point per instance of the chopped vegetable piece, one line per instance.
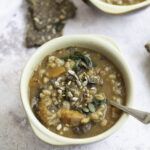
(91, 107)
(55, 72)
(70, 116)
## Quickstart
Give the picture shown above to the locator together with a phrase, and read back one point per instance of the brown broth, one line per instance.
(109, 74)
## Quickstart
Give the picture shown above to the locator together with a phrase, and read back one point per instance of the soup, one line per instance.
(69, 92)
(123, 2)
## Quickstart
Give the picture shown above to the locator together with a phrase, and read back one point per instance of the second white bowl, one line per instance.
(117, 9)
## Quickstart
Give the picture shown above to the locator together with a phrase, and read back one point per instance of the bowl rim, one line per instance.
(32, 118)
(117, 9)
(119, 6)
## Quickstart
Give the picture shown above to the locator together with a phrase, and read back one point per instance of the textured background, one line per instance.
(130, 31)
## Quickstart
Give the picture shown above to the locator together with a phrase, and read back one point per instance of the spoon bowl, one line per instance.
(142, 116)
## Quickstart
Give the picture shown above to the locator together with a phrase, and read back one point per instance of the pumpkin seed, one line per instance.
(85, 109)
(91, 107)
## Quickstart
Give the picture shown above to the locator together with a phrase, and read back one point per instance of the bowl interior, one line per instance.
(90, 42)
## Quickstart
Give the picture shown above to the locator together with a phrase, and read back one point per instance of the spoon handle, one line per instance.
(140, 115)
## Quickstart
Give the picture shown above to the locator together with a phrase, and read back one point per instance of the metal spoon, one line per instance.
(142, 116)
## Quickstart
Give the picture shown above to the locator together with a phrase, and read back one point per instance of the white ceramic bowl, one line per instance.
(99, 43)
(117, 9)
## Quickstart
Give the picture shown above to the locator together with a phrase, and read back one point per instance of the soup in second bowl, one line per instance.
(124, 2)
(68, 92)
